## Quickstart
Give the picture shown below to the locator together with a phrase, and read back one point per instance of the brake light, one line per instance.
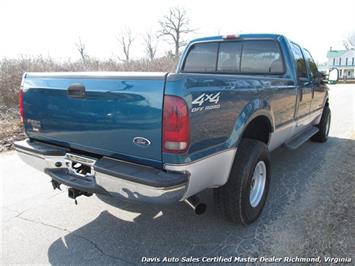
(21, 104)
(176, 128)
(230, 36)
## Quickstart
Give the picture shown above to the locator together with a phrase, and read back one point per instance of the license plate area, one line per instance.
(79, 165)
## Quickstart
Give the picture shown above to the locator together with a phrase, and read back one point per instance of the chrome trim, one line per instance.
(116, 187)
(138, 192)
(208, 172)
(280, 135)
(40, 162)
(139, 144)
(80, 159)
(327, 125)
(309, 118)
(70, 158)
(201, 159)
(292, 128)
(316, 121)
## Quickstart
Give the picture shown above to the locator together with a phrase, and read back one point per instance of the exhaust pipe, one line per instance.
(196, 205)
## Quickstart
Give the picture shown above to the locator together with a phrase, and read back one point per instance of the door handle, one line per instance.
(76, 90)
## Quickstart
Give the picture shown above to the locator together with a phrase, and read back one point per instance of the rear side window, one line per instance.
(299, 61)
(235, 57)
(311, 63)
(202, 58)
(261, 57)
(229, 57)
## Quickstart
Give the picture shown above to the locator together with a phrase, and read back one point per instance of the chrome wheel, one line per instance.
(257, 184)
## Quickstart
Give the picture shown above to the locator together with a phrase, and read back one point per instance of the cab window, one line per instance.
(229, 57)
(261, 57)
(235, 57)
(201, 58)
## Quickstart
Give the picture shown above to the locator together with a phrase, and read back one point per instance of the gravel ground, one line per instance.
(321, 221)
(309, 212)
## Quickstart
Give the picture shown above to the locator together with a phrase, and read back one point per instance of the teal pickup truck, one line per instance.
(160, 138)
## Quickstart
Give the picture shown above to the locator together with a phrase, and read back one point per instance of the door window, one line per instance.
(311, 63)
(299, 61)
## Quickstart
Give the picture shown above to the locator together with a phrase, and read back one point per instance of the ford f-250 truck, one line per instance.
(164, 137)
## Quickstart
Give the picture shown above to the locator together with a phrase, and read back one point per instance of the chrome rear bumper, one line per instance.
(120, 179)
(130, 181)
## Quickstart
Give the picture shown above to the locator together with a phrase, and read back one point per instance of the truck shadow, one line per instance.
(175, 231)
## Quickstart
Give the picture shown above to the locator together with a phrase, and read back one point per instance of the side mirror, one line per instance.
(322, 77)
(333, 76)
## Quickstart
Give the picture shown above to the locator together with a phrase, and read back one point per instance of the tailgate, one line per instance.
(111, 114)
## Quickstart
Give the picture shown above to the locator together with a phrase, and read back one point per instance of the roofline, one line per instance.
(337, 53)
(241, 36)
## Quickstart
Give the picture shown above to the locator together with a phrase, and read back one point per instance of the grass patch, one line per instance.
(11, 128)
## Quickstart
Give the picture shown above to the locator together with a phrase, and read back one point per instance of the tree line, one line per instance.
(349, 42)
(172, 28)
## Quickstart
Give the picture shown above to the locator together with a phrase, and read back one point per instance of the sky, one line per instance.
(53, 27)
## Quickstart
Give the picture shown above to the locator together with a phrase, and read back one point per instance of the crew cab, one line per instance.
(160, 138)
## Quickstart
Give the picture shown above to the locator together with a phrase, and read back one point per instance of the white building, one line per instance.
(344, 61)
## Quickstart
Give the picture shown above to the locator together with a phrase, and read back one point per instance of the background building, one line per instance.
(344, 61)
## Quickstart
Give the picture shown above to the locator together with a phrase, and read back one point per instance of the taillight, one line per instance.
(176, 128)
(20, 101)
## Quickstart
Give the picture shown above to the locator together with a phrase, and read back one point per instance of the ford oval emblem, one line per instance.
(141, 142)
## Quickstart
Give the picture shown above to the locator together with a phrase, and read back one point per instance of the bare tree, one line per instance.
(80, 46)
(349, 43)
(175, 25)
(346, 44)
(125, 40)
(150, 45)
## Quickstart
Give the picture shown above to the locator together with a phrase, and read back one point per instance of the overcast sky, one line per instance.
(52, 27)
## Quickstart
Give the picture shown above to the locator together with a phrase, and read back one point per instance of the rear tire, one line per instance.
(243, 197)
(323, 126)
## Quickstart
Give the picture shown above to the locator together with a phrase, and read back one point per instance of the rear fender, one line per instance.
(252, 110)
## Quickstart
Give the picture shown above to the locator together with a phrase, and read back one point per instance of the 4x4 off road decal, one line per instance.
(206, 102)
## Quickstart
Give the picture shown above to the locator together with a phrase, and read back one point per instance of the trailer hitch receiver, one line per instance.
(73, 193)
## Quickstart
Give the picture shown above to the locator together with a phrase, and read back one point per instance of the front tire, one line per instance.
(323, 126)
(243, 197)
